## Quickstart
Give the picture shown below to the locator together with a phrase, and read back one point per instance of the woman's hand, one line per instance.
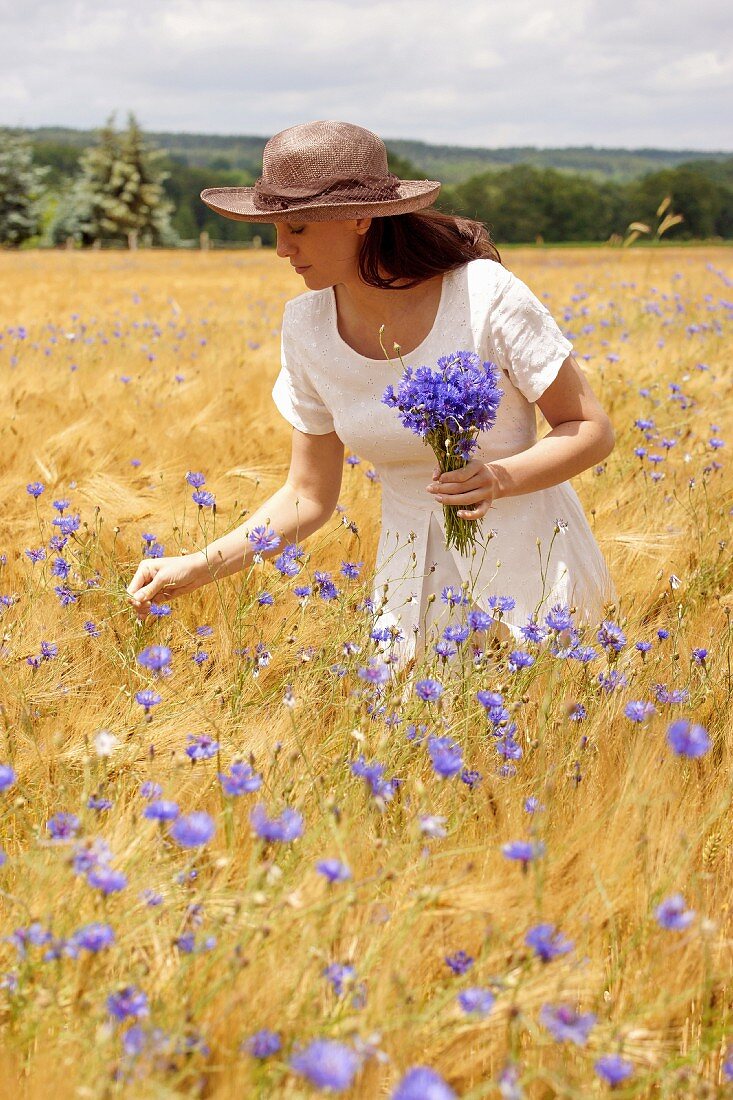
(164, 578)
(473, 488)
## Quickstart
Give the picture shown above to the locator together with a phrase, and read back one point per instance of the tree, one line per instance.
(119, 193)
(21, 190)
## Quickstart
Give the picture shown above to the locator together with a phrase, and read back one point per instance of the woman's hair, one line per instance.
(419, 245)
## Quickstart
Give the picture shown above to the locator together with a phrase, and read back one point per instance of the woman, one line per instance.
(379, 274)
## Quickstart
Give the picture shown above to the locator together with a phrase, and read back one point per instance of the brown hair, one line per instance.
(419, 245)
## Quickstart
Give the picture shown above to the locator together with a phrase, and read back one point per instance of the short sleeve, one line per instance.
(526, 339)
(294, 394)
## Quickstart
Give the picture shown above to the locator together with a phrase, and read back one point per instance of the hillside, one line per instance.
(448, 163)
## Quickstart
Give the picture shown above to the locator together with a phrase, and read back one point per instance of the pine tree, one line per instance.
(21, 190)
(119, 193)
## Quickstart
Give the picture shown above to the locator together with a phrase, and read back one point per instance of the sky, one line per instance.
(619, 73)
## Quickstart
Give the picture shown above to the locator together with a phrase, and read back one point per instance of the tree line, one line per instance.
(122, 189)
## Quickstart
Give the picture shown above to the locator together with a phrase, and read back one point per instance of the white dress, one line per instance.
(325, 386)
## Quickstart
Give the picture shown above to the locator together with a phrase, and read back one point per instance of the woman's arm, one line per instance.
(302, 505)
(581, 436)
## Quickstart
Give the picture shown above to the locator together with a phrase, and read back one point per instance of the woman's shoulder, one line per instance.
(311, 303)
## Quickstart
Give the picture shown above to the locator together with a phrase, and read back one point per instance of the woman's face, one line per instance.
(322, 253)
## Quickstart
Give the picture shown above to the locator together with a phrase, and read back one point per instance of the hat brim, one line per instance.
(238, 203)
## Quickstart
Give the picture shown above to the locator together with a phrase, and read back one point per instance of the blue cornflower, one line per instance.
(532, 805)
(339, 975)
(288, 826)
(241, 780)
(65, 595)
(480, 621)
(547, 942)
(263, 539)
(662, 634)
(351, 569)
(90, 854)
(8, 776)
(63, 826)
(201, 747)
(352, 460)
(478, 1000)
(639, 711)
(195, 479)
(577, 712)
(456, 633)
(35, 488)
(127, 1003)
(532, 631)
(96, 802)
(445, 650)
(203, 498)
(459, 962)
(559, 618)
(94, 937)
(501, 603)
(333, 869)
(699, 656)
(612, 680)
(471, 777)
(613, 1068)
(428, 690)
(155, 658)
(200, 657)
(446, 756)
(688, 740)
(193, 830)
(643, 647)
(524, 851)
(453, 597)
(376, 673)
(67, 524)
(671, 913)
(327, 1064)
(422, 1083)
(565, 1024)
(147, 699)
(263, 1043)
(491, 701)
(676, 695)
(302, 591)
(161, 810)
(149, 789)
(107, 880)
(92, 628)
(509, 748)
(325, 587)
(160, 610)
(204, 631)
(518, 658)
(60, 568)
(611, 636)
(373, 773)
(36, 555)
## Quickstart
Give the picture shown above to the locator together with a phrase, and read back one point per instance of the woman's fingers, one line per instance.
(473, 496)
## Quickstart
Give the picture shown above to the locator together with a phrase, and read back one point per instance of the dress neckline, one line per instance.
(333, 312)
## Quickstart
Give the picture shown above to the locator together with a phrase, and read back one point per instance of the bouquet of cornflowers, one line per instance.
(447, 407)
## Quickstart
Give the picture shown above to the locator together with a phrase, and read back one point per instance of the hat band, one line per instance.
(366, 189)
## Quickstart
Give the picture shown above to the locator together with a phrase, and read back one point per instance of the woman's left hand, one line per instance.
(472, 489)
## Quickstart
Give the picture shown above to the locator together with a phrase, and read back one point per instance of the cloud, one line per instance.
(464, 72)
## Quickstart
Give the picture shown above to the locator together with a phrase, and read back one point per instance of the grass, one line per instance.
(624, 821)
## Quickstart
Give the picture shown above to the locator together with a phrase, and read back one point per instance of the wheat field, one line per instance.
(134, 964)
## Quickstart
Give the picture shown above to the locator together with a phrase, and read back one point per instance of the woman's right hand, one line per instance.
(163, 578)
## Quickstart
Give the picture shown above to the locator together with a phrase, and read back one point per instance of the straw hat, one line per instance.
(322, 171)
